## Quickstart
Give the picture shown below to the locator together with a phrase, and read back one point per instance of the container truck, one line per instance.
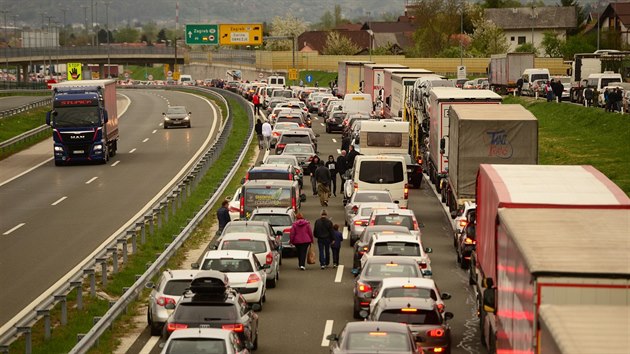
(401, 90)
(525, 187)
(374, 80)
(504, 134)
(84, 120)
(387, 87)
(504, 70)
(553, 256)
(570, 329)
(350, 76)
(440, 100)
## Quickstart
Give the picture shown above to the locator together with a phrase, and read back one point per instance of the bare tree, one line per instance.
(337, 44)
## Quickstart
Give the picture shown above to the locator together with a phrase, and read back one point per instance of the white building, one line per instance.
(528, 24)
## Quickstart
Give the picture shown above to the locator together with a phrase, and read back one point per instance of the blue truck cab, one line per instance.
(84, 121)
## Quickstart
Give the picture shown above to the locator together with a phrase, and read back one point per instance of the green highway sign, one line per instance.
(202, 34)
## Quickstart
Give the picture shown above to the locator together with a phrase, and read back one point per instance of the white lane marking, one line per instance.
(145, 140)
(91, 180)
(154, 131)
(115, 163)
(59, 200)
(339, 274)
(160, 124)
(339, 151)
(266, 154)
(327, 331)
(345, 233)
(150, 345)
(323, 125)
(132, 150)
(14, 228)
(334, 140)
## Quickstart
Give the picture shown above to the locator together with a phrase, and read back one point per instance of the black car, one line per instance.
(414, 172)
(211, 303)
(466, 244)
(335, 122)
(374, 337)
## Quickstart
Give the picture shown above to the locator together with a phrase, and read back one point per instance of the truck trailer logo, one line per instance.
(498, 144)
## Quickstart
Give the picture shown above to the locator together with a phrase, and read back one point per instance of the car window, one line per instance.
(381, 172)
(281, 160)
(273, 219)
(286, 126)
(295, 139)
(259, 229)
(244, 245)
(257, 175)
(417, 317)
(296, 149)
(374, 341)
(397, 248)
(228, 265)
(176, 287)
(372, 198)
(176, 110)
(268, 197)
(421, 293)
(391, 270)
(201, 312)
(396, 220)
(196, 345)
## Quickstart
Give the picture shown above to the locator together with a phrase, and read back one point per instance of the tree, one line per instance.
(102, 36)
(337, 44)
(127, 35)
(326, 22)
(161, 36)
(488, 39)
(579, 44)
(493, 4)
(579, 10)
(149, 31)
(286, 25)
(551, 44)
(527, 48)
(437, 20)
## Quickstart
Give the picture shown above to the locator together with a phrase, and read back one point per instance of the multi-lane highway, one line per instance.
(52, 218)
(307, 306)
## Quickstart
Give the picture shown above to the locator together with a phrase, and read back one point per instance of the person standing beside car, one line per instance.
(258, 129)
(322, 177)
(223, 216)
(336, 244)
(301, 237)
(256, 102)
(323, 231)
(266, 132)
(331, 164)
(312, 167)
(341, 169)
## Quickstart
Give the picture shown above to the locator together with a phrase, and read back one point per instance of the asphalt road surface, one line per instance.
(308, 305)
(54, 217)
(17, 101)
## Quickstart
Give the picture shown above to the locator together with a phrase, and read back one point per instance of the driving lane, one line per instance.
(54, 217)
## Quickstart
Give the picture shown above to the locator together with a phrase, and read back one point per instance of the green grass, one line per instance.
(574, 135)
(64, 338)
(322, 77)
(21, 123)
(137, 72)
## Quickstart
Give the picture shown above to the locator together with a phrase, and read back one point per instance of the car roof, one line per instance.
(405, 212)
(272, 182)
(391, 259)
(407, 302)
(270, 167)
(244, 236)
(394, 228)
(361, 326)
(364, 191)
(379, 205)
(200, 333)
(268, 210)
(248, 222)
(296, 132)
(397, 238)
(215, 254)
(399, 281)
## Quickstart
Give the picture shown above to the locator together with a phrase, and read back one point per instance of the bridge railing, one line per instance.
(85, 50)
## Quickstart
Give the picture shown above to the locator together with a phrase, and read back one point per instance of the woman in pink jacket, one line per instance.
(301, 237)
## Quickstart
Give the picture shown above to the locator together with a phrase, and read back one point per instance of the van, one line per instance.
(383, 137)
(276, 81)
(531, 75)
(185, 80)
(357, 103)
(270, 193)
(382, 173)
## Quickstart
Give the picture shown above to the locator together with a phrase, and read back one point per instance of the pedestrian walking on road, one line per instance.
(588, 97)
(312, 167)
(324, 233)
(336, 245)
(301, 237)
(223, 216)
(331, 164)
(341, 169)
(258, 129)
(352, 153)
(266, 132)
(322, 177)
(256, 102)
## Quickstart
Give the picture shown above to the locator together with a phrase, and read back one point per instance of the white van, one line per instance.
(185, 80)
(381, 173)
(276, 81)
(383, 136)
(357, 103)
(531, 75)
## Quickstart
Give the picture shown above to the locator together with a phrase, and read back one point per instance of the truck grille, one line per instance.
(79, 149)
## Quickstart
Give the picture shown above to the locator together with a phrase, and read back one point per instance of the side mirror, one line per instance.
(317, 135)
(170, 306)
(194, 265)
(302, 197)
(163, 113)
(265, 266)
(453, 214)
(229, 198)
(149, 285)
(105, 117)
(428, 250)
(256, 307)
(448, 316)
(190, 113)
(48, 117)
(445, 296)
(332, 337)
(421, 225)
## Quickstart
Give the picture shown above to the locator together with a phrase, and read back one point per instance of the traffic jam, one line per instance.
(513, 221)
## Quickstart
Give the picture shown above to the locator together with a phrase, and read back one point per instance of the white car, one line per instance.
(359, 220)
(245, 273)
(461, 218)
(235, 205)
(279, 128)
(398, 245)
(409, 287)
(284, 160)
(401, 217)
(266, 250)
(168, 289)
(204, 340)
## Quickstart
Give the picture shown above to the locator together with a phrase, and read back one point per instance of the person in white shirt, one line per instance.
(266, 132)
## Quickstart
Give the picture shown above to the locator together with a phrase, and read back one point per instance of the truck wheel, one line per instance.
(58, 163)
(438, 188)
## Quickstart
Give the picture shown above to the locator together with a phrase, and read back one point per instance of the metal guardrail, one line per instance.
(12, 111)
(152, 219)
(85, 50)
(12, 143)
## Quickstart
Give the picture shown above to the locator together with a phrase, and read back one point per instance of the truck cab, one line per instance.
(598, 82)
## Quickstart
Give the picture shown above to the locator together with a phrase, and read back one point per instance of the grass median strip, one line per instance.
(65, 337)
(574, 135)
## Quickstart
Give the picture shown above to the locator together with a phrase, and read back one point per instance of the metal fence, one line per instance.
(84, 50)
(117, 251)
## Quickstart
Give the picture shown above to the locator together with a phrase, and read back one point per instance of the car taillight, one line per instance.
(439, 332)
(290, 177)
(287, 230)
(355, 209)
(372, 222)
(235, 327)
(253, 278)
(422, 265)
(247, 176)
(234, 209)
(406, 195)
(469, 241)
(280, 146)
(171, 327)
(361, 223)
(163, 300)
(440, 308)
(415, 225)
(356, 186)
(298, 171)
(269, 258)
(364, 287)
(294, 203)
(463, 223)
(363, 250)
(242, 205)
(275, 134)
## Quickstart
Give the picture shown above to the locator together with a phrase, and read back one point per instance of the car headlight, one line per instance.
(187, 118)
(98, 147)
(166, 118)
(59, 148)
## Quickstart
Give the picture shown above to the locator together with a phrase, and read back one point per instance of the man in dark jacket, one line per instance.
(324, 233)
(341, 169)
(223, 215)
(352, 153)
(558, 89)
(258, 129)
(312, 167)
(323, 178)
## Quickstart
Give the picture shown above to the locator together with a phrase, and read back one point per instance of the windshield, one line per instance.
(176, 287)
(76, 116)
(392, 248)
(228, 265)
(417, 317)
(244, 245)
(389, 270)
(375, 341)
(608, 81)
(273, 219)
(176, 110)
(372, 198)
(196, 345)
(287, 94)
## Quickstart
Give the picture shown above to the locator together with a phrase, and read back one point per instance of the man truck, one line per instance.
(84, 120)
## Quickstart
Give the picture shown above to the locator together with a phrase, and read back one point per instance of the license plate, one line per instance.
(178, 122)
(204, 326)
(78, 151)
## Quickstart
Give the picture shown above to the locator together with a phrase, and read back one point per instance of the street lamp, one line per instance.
(461, 35)
(5, 12)
(107, 3)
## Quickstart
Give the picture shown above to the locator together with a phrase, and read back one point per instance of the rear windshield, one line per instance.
(372, 342)
(263, 197)
(606, 82)
(392, 248)
(176, 287)
(372, 198)
(273, 219)
(297, 149)
(228, 265)
(201, 312)
(196, 345)
(280, 160)
(391, 270)
(258, 229)
(289, 119)
(418, 317)
(256, 175)
(421, 293)
(295, 139)
(381, 172)
(396, 220)
(287, 94)
(382, 139)
(244, 245)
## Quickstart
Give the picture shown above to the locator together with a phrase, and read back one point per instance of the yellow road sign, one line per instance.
(241, 34)
(293, 74)
(74, 71)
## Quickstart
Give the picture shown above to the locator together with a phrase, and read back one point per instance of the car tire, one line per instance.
(189, 125)
(255, 343)
(356, 312)
(156, 329)
(58, 163)
(273, 282)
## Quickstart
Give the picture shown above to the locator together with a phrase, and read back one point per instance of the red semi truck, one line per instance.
(523, 187)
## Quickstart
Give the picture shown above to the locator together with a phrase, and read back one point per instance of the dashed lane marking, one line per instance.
(145, 140)
(115, 163)
(91, 180)
(339, 274)
(327, 331)
(150, 345)
(13, 229)
(132, 150)
(59, 200)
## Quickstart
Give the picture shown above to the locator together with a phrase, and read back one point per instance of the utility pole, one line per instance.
(461, 35)
(5, 12)
(598, 29)
(93, 38)
(107, 3)
(49, 44)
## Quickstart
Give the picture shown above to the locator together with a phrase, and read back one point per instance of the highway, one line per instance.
(307, 306)
(54, 217)
(17, 101)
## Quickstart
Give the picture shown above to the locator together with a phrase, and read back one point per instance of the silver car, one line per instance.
(303, 152)
(168, 289)
(365, 196)
(280, 220)
(360, 219)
